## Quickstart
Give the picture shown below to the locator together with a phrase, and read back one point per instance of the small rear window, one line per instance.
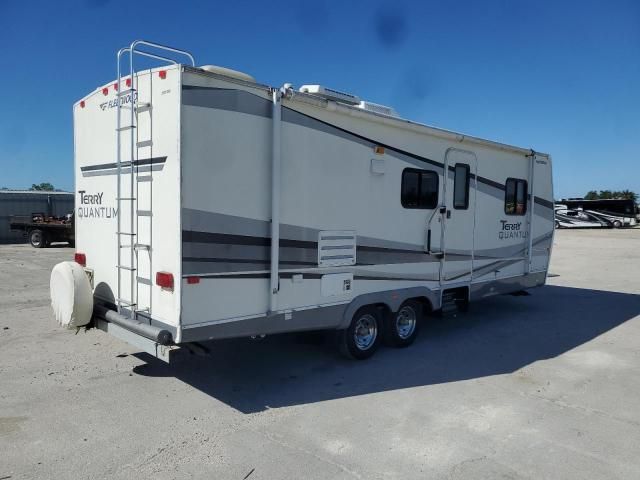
(461, 186)
(515, 197)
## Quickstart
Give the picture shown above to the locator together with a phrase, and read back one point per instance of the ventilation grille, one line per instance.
(337, 247)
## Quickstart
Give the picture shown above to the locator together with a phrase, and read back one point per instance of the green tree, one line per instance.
(591, 195)
(605, 194)
(629, 195)
(43, 187)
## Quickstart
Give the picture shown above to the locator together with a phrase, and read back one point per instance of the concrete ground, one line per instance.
(540, 386)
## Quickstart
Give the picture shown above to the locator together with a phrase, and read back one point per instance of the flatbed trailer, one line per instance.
(42, 230)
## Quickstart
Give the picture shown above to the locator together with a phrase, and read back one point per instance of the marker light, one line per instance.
(115, 86)
(128, 82)
(193, 280)
(81, 103)
(80, 258)
(105, 91)
(379, 150)
(162, 74)
(164, 280)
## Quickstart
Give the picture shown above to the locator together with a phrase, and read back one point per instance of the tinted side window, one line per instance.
(461, 186)
(419, 189)
(515, 197)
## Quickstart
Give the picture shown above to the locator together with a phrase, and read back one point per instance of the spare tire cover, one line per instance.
(71, 295)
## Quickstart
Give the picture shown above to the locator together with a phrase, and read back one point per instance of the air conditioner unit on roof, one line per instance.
(330, 94)
(377, 108)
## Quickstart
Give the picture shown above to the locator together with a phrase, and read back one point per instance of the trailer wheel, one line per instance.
(401, 327)
(362, 338)
(37, 238)
(617, 224)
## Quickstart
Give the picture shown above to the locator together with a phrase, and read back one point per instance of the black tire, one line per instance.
(366, 322)
(401, 328)
(557, 224)
(617, 224)
(37, 238)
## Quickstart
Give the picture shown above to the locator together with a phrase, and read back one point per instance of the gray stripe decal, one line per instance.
(242, 248)
(245, 102)
(142, 165)
(226, 99)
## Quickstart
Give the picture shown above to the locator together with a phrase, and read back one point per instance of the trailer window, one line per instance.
(419, 188)
(515, 197)
(461, 187)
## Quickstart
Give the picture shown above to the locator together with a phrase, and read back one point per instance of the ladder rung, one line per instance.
(145, 178)
(144, 143)
(125, 92)
(143, 107)
(143, 310)
(128, 127)
(144, 281)
(141, 246)
(126, 233)
(123, 267)
(125, 198)
(144, 213)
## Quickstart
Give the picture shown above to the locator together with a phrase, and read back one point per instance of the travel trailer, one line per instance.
(615, 213)
(210, 206)
(568, 218)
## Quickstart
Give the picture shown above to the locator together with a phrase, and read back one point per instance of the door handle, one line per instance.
(448, 213)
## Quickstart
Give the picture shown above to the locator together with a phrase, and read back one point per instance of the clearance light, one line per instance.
(193, 280)
(379, 150)
(105, 91)
(82, 104)
(128, 82)
(80, 258)
(115, 86)
(162, 74)
(164, 280)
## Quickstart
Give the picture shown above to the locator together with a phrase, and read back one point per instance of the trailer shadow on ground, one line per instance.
(497, 336)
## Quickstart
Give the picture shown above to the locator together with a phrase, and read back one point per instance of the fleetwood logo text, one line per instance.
(123, 101)
(91, 206)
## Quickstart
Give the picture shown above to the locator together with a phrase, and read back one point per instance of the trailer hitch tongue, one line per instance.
(158, 335)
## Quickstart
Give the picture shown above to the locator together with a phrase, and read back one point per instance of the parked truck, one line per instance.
(42, 229)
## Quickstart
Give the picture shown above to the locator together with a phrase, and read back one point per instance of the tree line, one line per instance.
(609, 194)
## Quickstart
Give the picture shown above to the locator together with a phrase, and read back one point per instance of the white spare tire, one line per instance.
(71, 295)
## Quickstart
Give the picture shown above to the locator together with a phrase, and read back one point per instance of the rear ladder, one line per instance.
(129, 147)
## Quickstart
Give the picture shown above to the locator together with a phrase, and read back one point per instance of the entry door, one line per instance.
(458, 216)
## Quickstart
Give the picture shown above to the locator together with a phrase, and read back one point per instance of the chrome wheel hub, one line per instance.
(365, 332)
(406, 320)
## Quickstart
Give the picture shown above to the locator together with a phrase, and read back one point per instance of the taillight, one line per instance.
(193, 280)
(164, 280)
(80, 258)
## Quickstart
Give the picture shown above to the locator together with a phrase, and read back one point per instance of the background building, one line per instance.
(26, 202)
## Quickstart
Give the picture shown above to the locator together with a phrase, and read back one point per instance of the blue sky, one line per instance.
(559, 77)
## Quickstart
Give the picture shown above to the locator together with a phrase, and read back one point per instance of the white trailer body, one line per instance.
(366, 208)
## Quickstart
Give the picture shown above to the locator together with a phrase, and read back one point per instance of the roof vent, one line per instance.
(377, 108)
(227, 72)
(330, 94)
